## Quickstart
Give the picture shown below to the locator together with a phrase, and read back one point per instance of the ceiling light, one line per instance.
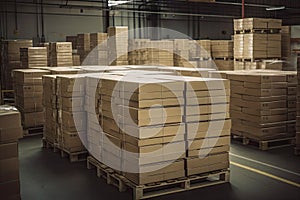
(275, 8)
(115, 3)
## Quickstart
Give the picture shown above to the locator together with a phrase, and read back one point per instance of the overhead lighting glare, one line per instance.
(275, 8)
(115, 3)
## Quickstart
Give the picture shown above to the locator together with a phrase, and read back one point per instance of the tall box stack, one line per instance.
(29, 91)
(138, 52)
(256, 39)
(161, 52)
(203, 54)
(47, 45)
(259, 105)
(10, 60)
(60, 54)
(297, 149)
(51, 109)
(83, 45)
(118, 45)
(33, 57)
(208, 125)
(71, 112)
(181, 54)
(286, 49)
(222, 53)
(98, 46)
(9, 159)
(159, 113)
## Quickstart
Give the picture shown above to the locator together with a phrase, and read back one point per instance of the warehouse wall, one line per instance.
(59, 22)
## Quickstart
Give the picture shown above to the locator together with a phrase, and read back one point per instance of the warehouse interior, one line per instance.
(150, 99)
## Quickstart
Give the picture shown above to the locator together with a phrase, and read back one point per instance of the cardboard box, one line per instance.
(9, 169)
(8, 150)
(10, 190)
(33, 119)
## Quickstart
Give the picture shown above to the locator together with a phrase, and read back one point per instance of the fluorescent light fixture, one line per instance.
(275, 8)
(115, 3)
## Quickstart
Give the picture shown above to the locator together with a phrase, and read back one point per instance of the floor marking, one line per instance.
(266, 174)
(268, 165)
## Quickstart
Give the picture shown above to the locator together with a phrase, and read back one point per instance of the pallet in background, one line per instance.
(73, 156)
(33, 131)
(265, 144)
(159, 188)
(8, 97)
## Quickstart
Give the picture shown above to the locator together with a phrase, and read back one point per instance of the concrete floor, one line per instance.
(46, 176)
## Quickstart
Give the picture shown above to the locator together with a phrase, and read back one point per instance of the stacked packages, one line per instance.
(29, 91)
(83, 45)
(10, 59)
(10, 132)
(98, 46)
(222, 53)
(33, 57)
(60, 54)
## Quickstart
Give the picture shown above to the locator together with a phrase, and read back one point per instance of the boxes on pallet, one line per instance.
(181, 53)
(274, 45)
(222, 48)
(71, 114)
(266, 92)
(76, 59)
(10, 59)
(138, 53)
(161, 53)
(118, 45)
(238, 46)
(9, 161)
(255, 46)
(225, 64)
(33, 57)
(204, 48)
(29, 90)
(60, 54)
(286, 42)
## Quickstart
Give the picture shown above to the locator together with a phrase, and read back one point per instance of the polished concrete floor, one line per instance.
(255, 175)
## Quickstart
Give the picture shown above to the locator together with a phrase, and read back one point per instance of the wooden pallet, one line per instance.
(160, 188)
(265, 144)
(224, 58)
(261, 31)
(254, 59)
(73, 156)
(33, 131)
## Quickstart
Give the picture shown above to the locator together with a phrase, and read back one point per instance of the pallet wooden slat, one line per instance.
(33, 131)
(161, 188)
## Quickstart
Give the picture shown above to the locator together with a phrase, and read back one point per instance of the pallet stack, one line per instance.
(32, 57)
(138, 53)
(9, 158)
(260, 106)
(83, 45)
(143, 132)
(73, 40)
(28, 97)
(207, 125)
(10, 60)
(118, 45)
(51, 109)
(98, 46)
(60, 54)
(255, 40)
(181, 54)
(222, 53)
(71, 114)
(161, 53)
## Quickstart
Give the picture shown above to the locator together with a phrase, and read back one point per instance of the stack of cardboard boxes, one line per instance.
(260, 105)
(118, 45)
(10, 60)
(60, 54)
(138, 52)
(181, 54)
(9, 161)
(207, 125)
(98, 46)
(83, 45)
(222, 53)
(73, 40)
(203, 54)
(28, 94)
(147, 120)
(33, 57)
(256, 39)
(161, 52)
(71, 113)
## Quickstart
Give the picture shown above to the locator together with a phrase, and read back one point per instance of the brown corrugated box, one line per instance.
(33, 119)
(9, 169)
(10, 190)
(8, 150)
(10, 132)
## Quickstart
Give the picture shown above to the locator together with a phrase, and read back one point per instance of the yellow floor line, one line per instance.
(266, 174)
